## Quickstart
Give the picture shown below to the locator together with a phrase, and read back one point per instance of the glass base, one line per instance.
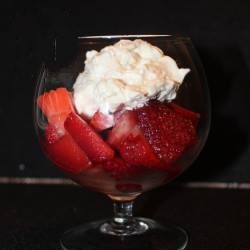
(148, 235)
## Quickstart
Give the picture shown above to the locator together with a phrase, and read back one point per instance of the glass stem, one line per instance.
(123, 221)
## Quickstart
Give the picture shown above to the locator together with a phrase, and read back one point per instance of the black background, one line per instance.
(219, 29)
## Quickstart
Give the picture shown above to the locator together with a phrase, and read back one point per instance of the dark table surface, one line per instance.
(34, 217)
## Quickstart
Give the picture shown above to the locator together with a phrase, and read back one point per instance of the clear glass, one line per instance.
(124, 231)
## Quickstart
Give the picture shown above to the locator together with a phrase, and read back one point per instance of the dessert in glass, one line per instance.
(126, 115)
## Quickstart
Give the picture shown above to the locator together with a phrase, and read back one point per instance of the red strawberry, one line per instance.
(124, 125)
(64, 152)
(168, 132)
(92, 144)
(56, 105)
(119, 169)
(127, 137)
(188, 114)
(51, 134)
(100, 121)
(137, 151)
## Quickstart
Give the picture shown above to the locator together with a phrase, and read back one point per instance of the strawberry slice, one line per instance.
(90, 142)
(119, 169)
(125, 124)
(51, 134)
(127, 137)
(167, 131)
(101, 121)
(137, 151)
(64, 152)
(188, 114)
(56, 105)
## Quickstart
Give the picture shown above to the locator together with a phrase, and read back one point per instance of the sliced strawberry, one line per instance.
(56, 105)
(125, 124)
(91, 143)
(188, 114)
(64, 152)
(101, 121)
(127, 137)
(137, 151)
(51, 134)
(119, 169)
(168, 132)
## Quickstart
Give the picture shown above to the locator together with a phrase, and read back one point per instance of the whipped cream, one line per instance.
(125, 75)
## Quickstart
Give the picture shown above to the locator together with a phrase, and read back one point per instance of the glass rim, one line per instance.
(174, 36)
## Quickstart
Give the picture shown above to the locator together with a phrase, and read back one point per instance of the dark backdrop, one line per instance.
(219, 30)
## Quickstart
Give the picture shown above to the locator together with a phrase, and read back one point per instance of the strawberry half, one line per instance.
(101, 121)
(56, 105)
(167, 131)
(64, 152)
(119, 169)
(88, 140)
(188, 114)
(127, 137)
(137, 151)
(124, 125)
(51, 134)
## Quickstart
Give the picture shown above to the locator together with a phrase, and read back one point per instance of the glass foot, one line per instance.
(147, 235)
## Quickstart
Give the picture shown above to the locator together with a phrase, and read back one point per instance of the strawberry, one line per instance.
(137, 151)
(124, 125)
(51, 134)
(119, 169)
(64, 152)
(127, 137)
(56, 105)
(88, 140)
(188, 114)
(101, 121)
(167, 131)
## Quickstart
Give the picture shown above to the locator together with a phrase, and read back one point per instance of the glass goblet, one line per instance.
(123, 230)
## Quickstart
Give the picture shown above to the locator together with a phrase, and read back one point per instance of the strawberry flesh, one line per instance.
(127, 137)
(101, 121)
(64, 152)
(56, 105)
(188, 114)
(167, 131)
(125, 124)
(137, 151)
(51, 134)
(118, 168)
(89, 141)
